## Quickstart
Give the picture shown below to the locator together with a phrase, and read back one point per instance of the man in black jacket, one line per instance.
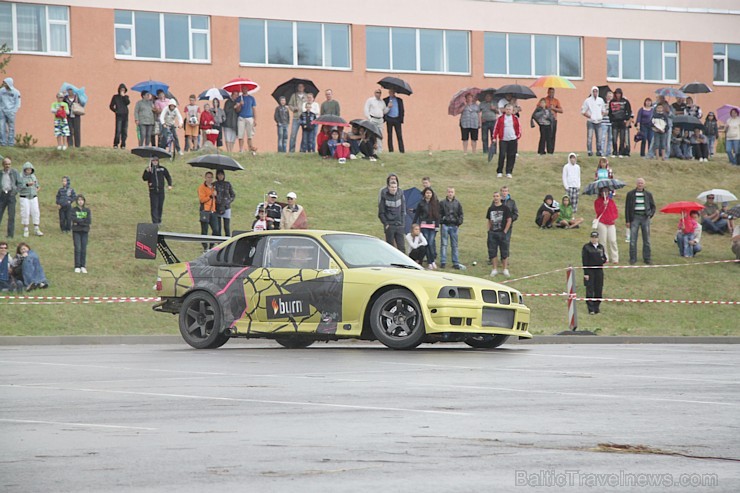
(511, 204)
(394, 119)
(639, 208)
(273, 210)
(620, 116)
(392, 213)
(593, 255)
(451, 217)
(119, 105)
(155, 176)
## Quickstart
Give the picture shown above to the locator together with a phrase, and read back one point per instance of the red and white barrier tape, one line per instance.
(75, 300)
(534, 275)
(680, 302)
(656, 266)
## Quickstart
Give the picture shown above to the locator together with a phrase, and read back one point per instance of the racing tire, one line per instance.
(294, 341)
(201, 320)
(396, 320)
(485, 341)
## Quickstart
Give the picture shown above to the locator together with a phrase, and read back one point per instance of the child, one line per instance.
(566, 219)
(310, 113)
(416, 244)
(260, 224)
(171, 120)
(65, 198)
(29, 195)
(322, 141)
(711, 130)
(282, 120)
(686, 228)
(544, 118)
(192, 116)
(81, 219)
(60, 109)
(548, 213)
(603, 170)
(700, 145)
(338, 148)
(206, 125)
(659, 123)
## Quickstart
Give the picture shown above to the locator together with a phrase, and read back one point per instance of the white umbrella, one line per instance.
(720, 195)
(212, 93)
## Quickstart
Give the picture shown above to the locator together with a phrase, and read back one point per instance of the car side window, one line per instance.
(295, 253)
(246, 252)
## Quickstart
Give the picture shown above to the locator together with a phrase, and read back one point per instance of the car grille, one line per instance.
(498, 317)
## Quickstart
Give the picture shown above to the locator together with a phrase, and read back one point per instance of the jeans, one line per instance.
(619, 136)
(121, 130)
(592, 128)
(647, 138)
(215, 224)
(732, 147)
(33, 273)
(7, 201)
(156, 203)
(308, 140)
(430, 234)
(606, 139)
(282, 137)
(64, 223)
(7, 128)
(711, 140)
(294, 126)
(486, 130)
(391, 124)
(684, 247)
(80, 242)
(718, 227)
(146, 133)
(640, 223)
(449, 233)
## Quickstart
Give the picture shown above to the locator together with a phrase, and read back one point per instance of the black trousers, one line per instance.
(156, 204)
(366, 148)
(64, 223)
(700, 151)
(121, 130)
(507, 152)
(215, 225)
(75, 133)
(551, 139)
(545, 133)
(394, 237)
(390, 124)
(594, 288)
(620, 146)
(224, 226)
(7, 201)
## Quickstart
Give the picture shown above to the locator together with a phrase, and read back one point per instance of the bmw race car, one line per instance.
(302, 286)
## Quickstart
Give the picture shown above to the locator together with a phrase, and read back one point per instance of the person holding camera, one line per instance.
(155, 176)
(225, 195)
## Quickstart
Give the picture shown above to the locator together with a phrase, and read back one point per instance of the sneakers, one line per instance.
(83, 270)
(433, 266)
(77, 270)
(500, 175)
(508, 175)
(443, 265)
(25, 232)
(342, 160)
(353, 156)
(494, 273)
(64, 148)
(506, 273)
(459, 267)
(59, 148)
(38, 232)
(31, 287)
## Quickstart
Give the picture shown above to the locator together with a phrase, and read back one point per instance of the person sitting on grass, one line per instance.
(548, 213)
(338, 148)
(416, 244)
(686, 232)
(692, 244)
(7, 282)
(26, 268)
(566, 220)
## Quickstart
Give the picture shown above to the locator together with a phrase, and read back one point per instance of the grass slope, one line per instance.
(344, 197)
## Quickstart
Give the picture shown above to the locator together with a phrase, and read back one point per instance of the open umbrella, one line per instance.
(213, 93)
(670, 92)
(151, 86)
(682, 207)
(734, 212)
(332, 120)
(554, 81)
(457, 103)
(696, 88)
(369, 126)
(398, 85)
(687, 122)
(150, 152)
(517, 90)
(603, 90)
(241, 84)
(723, 112)
(80, 91)
(720, 195)
(288, 88)
(484, 92)
(413, 197)
(216, 162)
(610, 183)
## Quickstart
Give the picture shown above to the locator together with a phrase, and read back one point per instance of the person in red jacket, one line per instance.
(206, 126)
(508, 133)
(606, 215)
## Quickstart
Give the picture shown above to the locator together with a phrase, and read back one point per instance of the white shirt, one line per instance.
(312, 107)
(509, 133)
(594, 107)
(375, 108)
(414, 242)
(572, 176)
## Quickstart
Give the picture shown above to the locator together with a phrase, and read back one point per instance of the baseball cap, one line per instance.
(594, 234)
(272, 193)
(291, 195)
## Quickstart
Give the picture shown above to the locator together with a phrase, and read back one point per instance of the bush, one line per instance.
(26, 141)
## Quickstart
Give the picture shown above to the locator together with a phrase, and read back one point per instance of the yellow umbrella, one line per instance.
(553, 81)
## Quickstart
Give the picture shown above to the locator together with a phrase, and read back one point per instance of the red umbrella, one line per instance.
(240, 84)
(682, 207)
(457, 103)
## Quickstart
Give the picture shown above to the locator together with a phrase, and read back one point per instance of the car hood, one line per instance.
(395, 274)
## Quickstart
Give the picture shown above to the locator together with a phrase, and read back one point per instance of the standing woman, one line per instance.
(427, 217)
(119, 105)
(81, 219)
(606, 216)
(28, 191)
(732, 137)
(208, 217)
(224, 197)
(74, 118)
(219, 117)
(544, 118)
(470, 121)
(645, 125)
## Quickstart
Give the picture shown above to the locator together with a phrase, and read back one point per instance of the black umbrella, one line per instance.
(213, 93)
(216, 161)
(687, 122)
(288, 88)
(517, 90)
(398, 85)
(603, 90)
(332, 120)
(696, 88)
(370, 126)
(150, 152)
(489, 90)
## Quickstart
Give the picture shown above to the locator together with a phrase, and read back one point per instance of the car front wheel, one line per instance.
(485, 341)
(200, 321)
(396, 320)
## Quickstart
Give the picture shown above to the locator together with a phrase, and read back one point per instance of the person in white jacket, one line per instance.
(572, 180)
(416, 244)
(171, 120)
(594, 109)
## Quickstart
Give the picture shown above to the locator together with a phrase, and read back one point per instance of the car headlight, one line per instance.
(455, 292)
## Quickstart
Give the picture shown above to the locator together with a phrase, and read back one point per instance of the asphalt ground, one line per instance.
(359, 417)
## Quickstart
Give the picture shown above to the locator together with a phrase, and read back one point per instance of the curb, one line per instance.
(176, 339)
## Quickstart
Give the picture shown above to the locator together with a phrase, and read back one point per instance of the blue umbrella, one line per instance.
(80, 91)
(413, 197)
(150, 85)
(670, 92)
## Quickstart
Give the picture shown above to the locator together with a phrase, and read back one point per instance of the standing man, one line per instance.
(296, 103)
(331, 105)
(232, 106)
(593, 110)
(10, 103)
(508, 132)
(499, 222)
(392, 213)
(593, 255)
(273, 210)
(247, 122)
(620, 115)
(119, 105)
(375, 111)
(639, 208)
(489, 115)
(553, 104)
(572, 180)
(511, 204)
(451, 217)
(10, 182)
(155, 176)
(394, 119)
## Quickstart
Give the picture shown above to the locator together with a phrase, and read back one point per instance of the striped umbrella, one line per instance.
(554, 81)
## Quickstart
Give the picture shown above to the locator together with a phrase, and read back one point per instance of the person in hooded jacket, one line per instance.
(65, 198)
(119, 105)
(547, 214)
(620, 115)
(29, 195)
(392, 213)
(10, 103)
(225, 195)
(80, 218)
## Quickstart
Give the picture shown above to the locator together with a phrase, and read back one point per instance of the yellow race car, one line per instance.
(302, 286)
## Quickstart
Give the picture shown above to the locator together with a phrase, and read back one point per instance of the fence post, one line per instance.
(571, 290)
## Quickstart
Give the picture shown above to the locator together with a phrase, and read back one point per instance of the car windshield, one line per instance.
(366, 251)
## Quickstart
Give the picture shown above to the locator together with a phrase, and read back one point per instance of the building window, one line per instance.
(417, 50)
(169, 37)
(531, 55)
(31, 28)
(644, 61)
(726, 63)
(294, 44)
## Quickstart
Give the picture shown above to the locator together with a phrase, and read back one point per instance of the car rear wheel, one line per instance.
(200, 321)
(485, 341)
(294, 341)
(396, 320)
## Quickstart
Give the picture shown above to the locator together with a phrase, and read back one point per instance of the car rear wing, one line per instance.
(149, 239)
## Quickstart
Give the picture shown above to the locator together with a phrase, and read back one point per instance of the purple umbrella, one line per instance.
(457, 103)
(723, 113)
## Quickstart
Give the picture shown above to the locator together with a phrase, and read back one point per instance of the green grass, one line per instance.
(344, 197)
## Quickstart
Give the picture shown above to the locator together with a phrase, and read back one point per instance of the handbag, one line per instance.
(595, 222)
(205, 216)
(78, 109)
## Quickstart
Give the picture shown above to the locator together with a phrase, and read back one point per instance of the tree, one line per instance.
(4, 56)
